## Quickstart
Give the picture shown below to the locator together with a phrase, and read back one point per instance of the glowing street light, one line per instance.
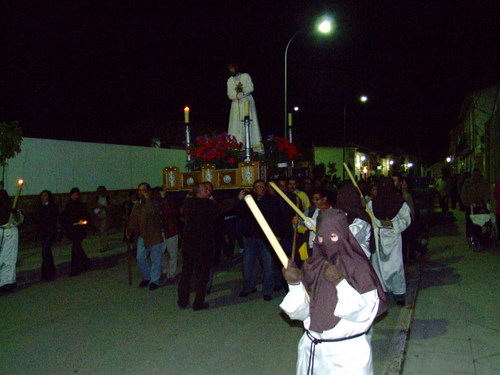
(325, 25)
(362, 99)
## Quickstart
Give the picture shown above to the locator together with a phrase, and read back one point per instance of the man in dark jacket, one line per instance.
(198, 242)
(256, 243)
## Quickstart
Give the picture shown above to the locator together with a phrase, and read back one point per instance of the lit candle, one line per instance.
(14, 205)
(289, 119)
(186, 115)
(247, 108)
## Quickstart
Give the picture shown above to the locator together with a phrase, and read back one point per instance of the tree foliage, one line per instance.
(11, 138)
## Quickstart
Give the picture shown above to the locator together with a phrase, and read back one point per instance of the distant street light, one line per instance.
(362, 99)
(325, 25)
(296, 109)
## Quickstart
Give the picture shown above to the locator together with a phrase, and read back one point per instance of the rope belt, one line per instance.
(315, 341)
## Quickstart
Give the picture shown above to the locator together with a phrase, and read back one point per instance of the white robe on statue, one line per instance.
(9, 240)
(348, 357)
(388, 257)
(237, 113)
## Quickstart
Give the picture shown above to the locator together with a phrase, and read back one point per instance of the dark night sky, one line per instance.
(101, 70)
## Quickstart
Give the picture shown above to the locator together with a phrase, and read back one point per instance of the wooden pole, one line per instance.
(367, 209)
(14, 205)
(129, 262)
(294, 241)
(269, 233)
(267, 230)
(290, 203)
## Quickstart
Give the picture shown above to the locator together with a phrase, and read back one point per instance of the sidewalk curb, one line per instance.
(399, 343)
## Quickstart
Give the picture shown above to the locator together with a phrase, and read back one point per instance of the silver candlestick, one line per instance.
(248, 149)
(188, 142)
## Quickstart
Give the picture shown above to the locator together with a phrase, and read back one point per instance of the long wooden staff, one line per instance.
(290, 203)
(367, 209)
(129, 250)
(294, 241)
(129, 262)
(14, 205)
(268, 232)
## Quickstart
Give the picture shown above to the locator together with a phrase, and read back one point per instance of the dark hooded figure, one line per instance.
(345, 297)
(349, 201)
(392, 216)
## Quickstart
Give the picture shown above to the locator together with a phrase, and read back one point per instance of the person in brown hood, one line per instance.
(345, 296)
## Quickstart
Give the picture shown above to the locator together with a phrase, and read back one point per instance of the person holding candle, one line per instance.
(345, 297)
(392, 217)
(239, 91)
(75, 218)
(9, 241)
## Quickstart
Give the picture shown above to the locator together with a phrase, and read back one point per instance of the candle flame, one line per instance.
(186, 109)
(20, 182)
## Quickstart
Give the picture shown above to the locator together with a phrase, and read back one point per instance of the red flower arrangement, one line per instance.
(279, 150)
(223, 150)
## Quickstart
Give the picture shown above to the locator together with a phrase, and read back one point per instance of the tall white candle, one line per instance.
(186, 115)
(267, 230)
(247, 108)
(14, 205)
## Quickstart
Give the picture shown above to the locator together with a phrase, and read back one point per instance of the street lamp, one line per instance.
(362, 99)
(324, 26)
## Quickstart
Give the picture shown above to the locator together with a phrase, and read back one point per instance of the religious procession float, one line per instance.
(230, 164)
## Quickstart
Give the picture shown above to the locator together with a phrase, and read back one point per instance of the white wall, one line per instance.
(328, 155)
(60, 165)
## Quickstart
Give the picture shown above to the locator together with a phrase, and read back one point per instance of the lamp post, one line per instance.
(290, 132)
(362, 99)
(325, 26)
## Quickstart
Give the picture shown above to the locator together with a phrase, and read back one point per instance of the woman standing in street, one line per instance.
(75, 218)
(46, 218)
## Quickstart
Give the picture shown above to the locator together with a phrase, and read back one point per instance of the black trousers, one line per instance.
(200, 263)
(79, 260)
(48, 266)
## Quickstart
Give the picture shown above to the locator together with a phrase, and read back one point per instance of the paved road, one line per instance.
(456, 327)
(96, 324)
